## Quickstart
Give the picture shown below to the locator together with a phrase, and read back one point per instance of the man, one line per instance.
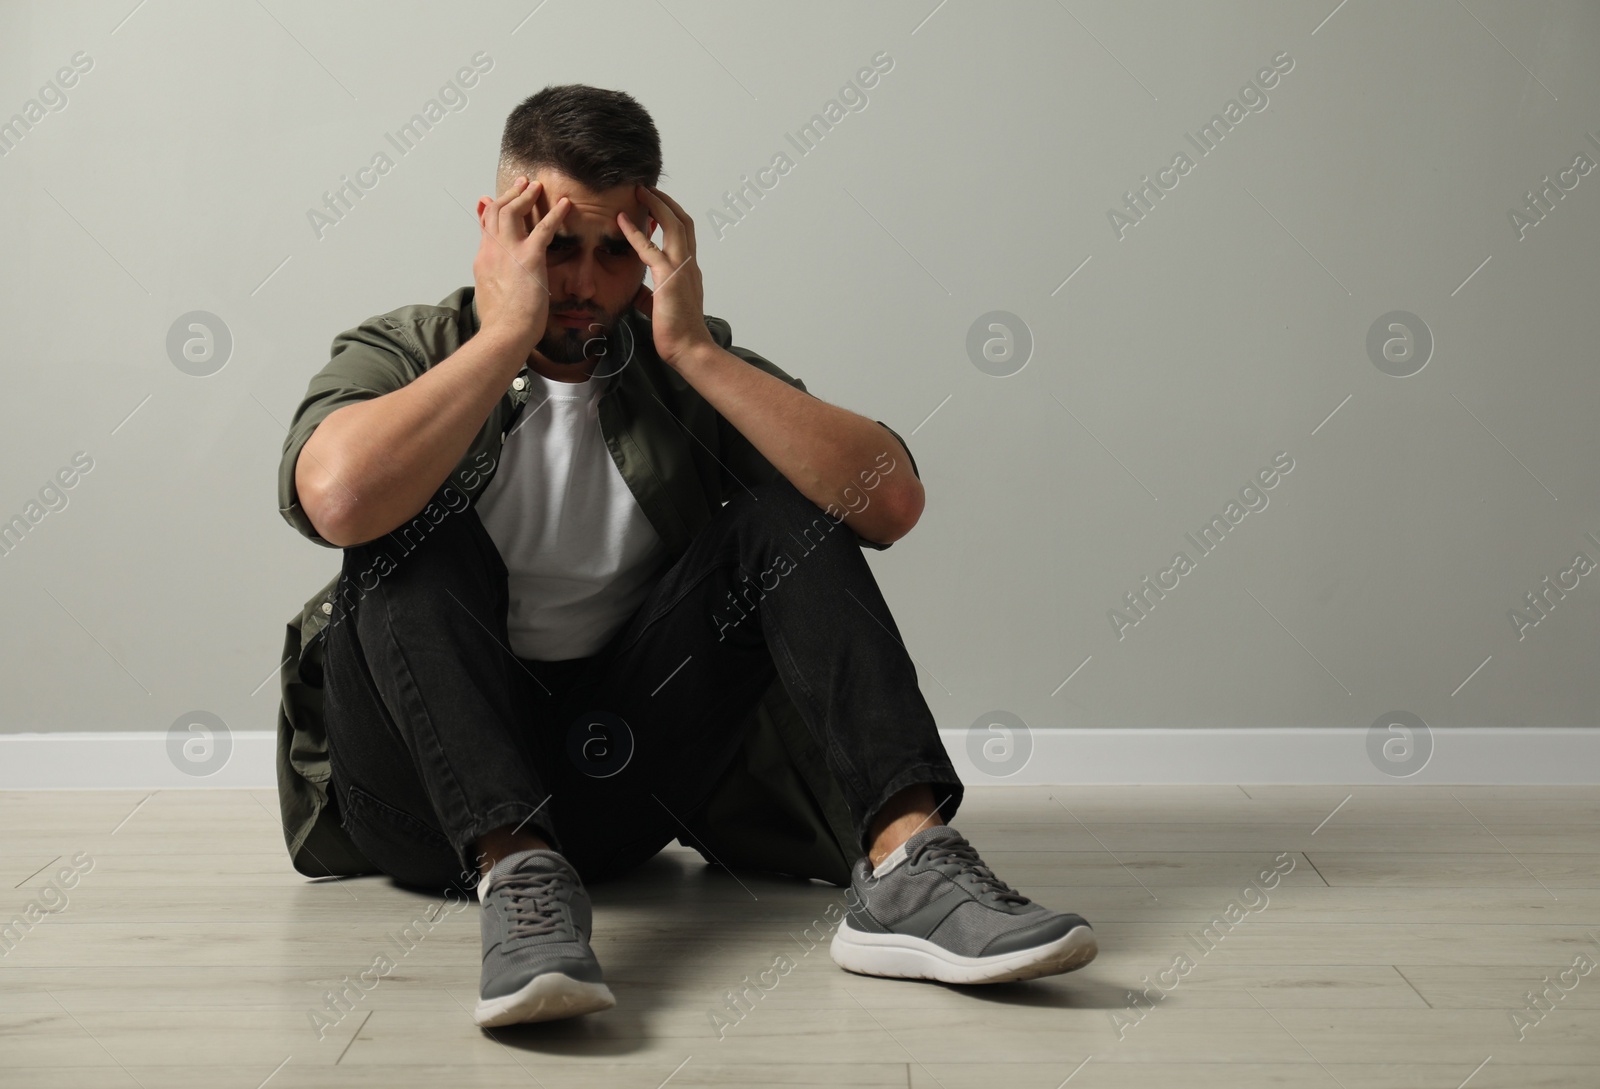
(584, 539)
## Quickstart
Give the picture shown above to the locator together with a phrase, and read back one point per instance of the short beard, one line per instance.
(578, 344)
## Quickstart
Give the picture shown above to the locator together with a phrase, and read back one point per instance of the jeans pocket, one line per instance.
(409, 850)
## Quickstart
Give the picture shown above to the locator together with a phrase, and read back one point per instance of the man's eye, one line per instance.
(621, 249)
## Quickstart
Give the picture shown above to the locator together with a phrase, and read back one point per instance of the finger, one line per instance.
(647, 250)
(674, 239)
(651, 254)
(489, 215)
(492, 208)
(489, 218)
(677, 209)
(500, 198)
(549, 224)
(517, 253)
(514, 215)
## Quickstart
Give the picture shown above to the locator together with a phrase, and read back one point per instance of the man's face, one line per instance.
(593, 271)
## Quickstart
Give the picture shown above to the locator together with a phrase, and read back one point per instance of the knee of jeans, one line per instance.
(789, 515)
(423, 557)
(433, 532)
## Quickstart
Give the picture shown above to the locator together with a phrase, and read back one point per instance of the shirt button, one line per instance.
(518, 382)
(327, 608)
(502, 438)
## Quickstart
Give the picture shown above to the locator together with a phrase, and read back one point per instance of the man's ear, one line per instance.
(643, 299)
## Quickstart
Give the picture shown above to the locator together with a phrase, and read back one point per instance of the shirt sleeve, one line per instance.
(743, 466)
(375, 358)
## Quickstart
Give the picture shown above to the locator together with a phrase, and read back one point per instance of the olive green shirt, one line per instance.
(778, 807)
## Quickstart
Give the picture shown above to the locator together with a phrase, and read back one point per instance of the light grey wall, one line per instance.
(1168, 365)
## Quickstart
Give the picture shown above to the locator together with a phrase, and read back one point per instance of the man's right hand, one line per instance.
(509, 270)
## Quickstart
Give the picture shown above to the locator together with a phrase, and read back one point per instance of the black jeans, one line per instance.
(438, 733)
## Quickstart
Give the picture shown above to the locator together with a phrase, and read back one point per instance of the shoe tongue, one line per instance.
(938, 834)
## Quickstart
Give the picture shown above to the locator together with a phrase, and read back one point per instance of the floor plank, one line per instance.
(1398, 952)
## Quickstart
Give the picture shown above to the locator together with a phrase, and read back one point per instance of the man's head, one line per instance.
(593, 147)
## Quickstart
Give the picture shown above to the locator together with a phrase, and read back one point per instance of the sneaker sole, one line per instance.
(546, 997)
(901, 956)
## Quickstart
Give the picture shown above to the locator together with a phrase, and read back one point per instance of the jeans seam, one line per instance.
(666, 608)
(855, 782)
(718, 562)
(412, 697)
(459, 798)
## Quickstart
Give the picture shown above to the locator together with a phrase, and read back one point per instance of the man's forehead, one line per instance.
(585, 225)
(592, 216)
(621, 198)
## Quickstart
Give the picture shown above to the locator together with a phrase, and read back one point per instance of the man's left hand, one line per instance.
(676, 307)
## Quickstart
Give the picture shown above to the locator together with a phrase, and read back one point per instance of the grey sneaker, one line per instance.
(935, 911)
(537, 964)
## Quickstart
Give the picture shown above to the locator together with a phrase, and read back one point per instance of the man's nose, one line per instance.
(583, 277)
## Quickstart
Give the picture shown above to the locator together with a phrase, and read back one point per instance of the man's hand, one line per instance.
(509, 271)
(677, 306)
(821, 449)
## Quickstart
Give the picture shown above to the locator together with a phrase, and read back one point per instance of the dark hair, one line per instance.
(598, 138)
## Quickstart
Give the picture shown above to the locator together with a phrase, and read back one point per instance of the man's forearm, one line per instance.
(371, 466)
(821, 448)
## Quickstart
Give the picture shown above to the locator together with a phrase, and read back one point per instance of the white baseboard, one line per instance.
(142, 760)
(130, 760)
(1531, 755)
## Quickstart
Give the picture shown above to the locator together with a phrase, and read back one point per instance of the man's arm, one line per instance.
(373, 464)
(822, 449)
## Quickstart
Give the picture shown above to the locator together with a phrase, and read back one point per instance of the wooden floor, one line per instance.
(1407, 929)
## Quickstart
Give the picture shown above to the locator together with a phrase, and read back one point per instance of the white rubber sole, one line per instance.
(900, 956)
(546, 997)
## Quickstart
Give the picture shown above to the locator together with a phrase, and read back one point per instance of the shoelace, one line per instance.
(965, 858)
(533, 906)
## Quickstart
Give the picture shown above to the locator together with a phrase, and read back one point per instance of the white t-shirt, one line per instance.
(579, 552)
